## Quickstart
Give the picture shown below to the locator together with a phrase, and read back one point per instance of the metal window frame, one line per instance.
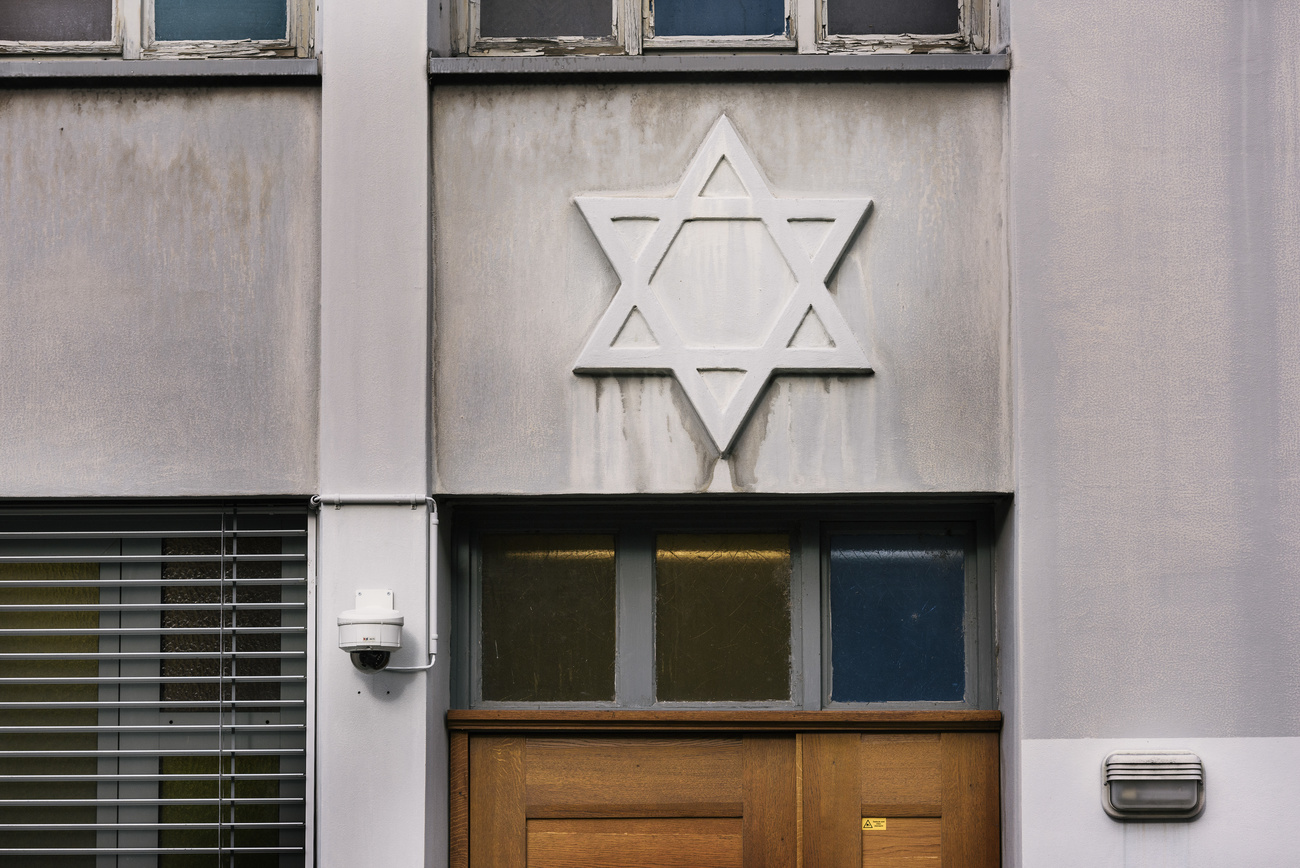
(810, 522)
(977, 622)
(136, 568)
(634, 661)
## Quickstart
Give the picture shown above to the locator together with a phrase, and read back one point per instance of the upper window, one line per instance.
(768, 609)
(636, 26)
(163, 28)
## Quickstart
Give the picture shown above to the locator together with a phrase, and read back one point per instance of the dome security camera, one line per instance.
(372, 631)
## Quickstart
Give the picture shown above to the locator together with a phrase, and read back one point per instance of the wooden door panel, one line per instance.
(635, 843)
(831, 812)
(770, 817)
(905, 842)
(902, 774)
(972, 809)
(634, 777)
(497, 835)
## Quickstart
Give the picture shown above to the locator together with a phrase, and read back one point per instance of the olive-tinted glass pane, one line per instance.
(524, 18)
(897, 607)
(228, 19)
(722, 617)
(719, 17)
(190, 822)
(14, 792)
(56, 20)
(548, 617)
(891, 16)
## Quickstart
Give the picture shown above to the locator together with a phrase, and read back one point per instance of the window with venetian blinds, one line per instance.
(154, 687)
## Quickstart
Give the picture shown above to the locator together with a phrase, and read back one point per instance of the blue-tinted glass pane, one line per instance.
(228, 19)
(897, 606)
(719, 17)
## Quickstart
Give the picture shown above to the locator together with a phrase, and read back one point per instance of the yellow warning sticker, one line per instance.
(873, 824)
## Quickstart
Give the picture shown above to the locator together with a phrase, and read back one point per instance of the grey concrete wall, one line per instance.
(1155, 171)
(521, 281)
(159, 268)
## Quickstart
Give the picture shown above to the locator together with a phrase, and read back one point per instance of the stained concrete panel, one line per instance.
(160, 271)
(522, 281)
(1157, 331)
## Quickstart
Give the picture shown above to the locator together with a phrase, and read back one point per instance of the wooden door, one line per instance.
(662, 799)
(900, 800)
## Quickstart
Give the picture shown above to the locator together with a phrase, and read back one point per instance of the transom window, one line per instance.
(156, 28)
(703, 606)
(637, 26)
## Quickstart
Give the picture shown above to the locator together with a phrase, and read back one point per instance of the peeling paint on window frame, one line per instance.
(133, 38)
(805, 33)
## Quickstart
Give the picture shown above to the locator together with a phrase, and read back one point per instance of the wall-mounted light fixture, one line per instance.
(1153, 785)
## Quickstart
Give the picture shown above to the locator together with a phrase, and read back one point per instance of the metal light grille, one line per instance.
(154, 688)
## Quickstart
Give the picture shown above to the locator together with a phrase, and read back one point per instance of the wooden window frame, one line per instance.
(133, 38)
(788, 41)
(44, 47)
(806, 33)
(634, 528)
(971, 34)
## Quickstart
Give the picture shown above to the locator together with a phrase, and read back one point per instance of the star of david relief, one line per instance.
(723, 285)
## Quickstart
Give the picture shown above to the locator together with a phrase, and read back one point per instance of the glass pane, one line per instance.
(891, 16)
(524, 18)
(56, 20)
(719, 17)
(189, 821)
(229, 19)
(548, 617)
(40, 694)
(897, 607)
(722, 617)
(176, 621)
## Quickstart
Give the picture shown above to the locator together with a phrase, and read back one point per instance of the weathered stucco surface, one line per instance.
(521, 282)
(1157, 327)
(159, 269)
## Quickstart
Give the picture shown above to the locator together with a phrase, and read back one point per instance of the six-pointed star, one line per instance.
(809, 335)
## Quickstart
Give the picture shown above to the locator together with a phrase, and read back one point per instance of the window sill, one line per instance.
(14, 70)
(480, 720)
(443, 69)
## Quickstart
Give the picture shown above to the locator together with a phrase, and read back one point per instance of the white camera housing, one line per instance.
(372, 631)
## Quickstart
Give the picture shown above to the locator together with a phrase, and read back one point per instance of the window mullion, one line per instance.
(805, 16)
(634, 676)
(130, 23)
(629, 24)
(809, 583)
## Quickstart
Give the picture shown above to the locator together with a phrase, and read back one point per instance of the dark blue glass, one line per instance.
(719, 17)
(897, 607)
(228, 19)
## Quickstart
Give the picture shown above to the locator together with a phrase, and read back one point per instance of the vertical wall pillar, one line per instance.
(373, 729)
